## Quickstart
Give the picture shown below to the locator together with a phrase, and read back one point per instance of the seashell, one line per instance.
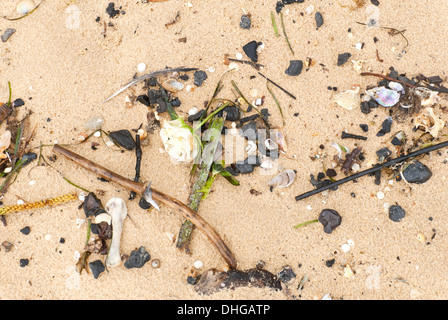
(172, 85)
(397, 87)
(25, 6)
(271, 144)
(103, 217)
(280, 139)
(349, 99)
(385, 97)
(283, 179)
(82, 137)
(5, 140)
(432, 123)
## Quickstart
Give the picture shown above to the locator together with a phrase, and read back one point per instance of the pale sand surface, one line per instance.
(69, 72)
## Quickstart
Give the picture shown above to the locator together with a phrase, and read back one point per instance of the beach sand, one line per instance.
(64, 71)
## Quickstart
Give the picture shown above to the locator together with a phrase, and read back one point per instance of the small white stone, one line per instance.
(380, 195)
(309, 9)
(356, 167)
(20, 201)
(211, 69)
(141, 67)
(239, 56)
(76, 255)
(188, 88)
(345, 248)
(327, 297)
(309, 208)
(260, 47)
(192, 111)
(358, 46)
(233, 66)
(32, 182)
(97, 134)
(82, 196)
(198, 264)
(47, 237)
(188, 4)
(7, 170)
(253, 93)
(109, 143)
(386, 205)
(351, 242)
(55, 141)
(80, 222)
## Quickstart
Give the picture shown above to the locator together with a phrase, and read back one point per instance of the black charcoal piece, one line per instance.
(97, 267)
(250, 50)
(343, 58)
(295, 68)
(137, 258)
(330, 219)
(396, 213)
(123, 138)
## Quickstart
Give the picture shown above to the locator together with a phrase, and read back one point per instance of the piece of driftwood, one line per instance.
(140, 187)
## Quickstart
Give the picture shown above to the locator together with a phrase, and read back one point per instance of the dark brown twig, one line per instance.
(387, 78)
(139, 188)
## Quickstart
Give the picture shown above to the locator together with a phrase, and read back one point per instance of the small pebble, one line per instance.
(286, 275)
(111, 11)
(417, 173)
(7, 34)
(198, 264)
(192, 280)
(343, 58)
(26, 230)
(295, 68)
(97, 267)
(396, 213)
(380, 195)
(319, 20)
(141, 67)
(345, 248)
(330, 219)
(24, 262)
(199, 77)
(245, 22)
(137, 258)
(330, 263)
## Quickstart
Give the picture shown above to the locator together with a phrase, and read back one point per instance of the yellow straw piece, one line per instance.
(39, 204)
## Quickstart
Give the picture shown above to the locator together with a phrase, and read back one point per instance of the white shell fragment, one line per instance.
(349, 99)
(25, 6)
(172, 85)
(5, 140)
(103, 217)
(283, 179)
(397, 87)
(430, 122)
(385, 97)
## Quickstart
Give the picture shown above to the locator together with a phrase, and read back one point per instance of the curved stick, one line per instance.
(139, 187)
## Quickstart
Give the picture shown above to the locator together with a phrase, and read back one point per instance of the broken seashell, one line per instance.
(5, 140)
(432, 123)
(349, 99)
(397, 87)
(271, 144)
(283, 179)
(385, 97)
(172, 85)
(25, 7)
(280, 139)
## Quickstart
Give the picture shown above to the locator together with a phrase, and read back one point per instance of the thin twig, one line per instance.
(278, 86)
(373, 170)
(388, 28)
(387, 78)
(147, 76)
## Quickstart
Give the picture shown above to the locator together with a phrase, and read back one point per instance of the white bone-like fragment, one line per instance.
(116, 207)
